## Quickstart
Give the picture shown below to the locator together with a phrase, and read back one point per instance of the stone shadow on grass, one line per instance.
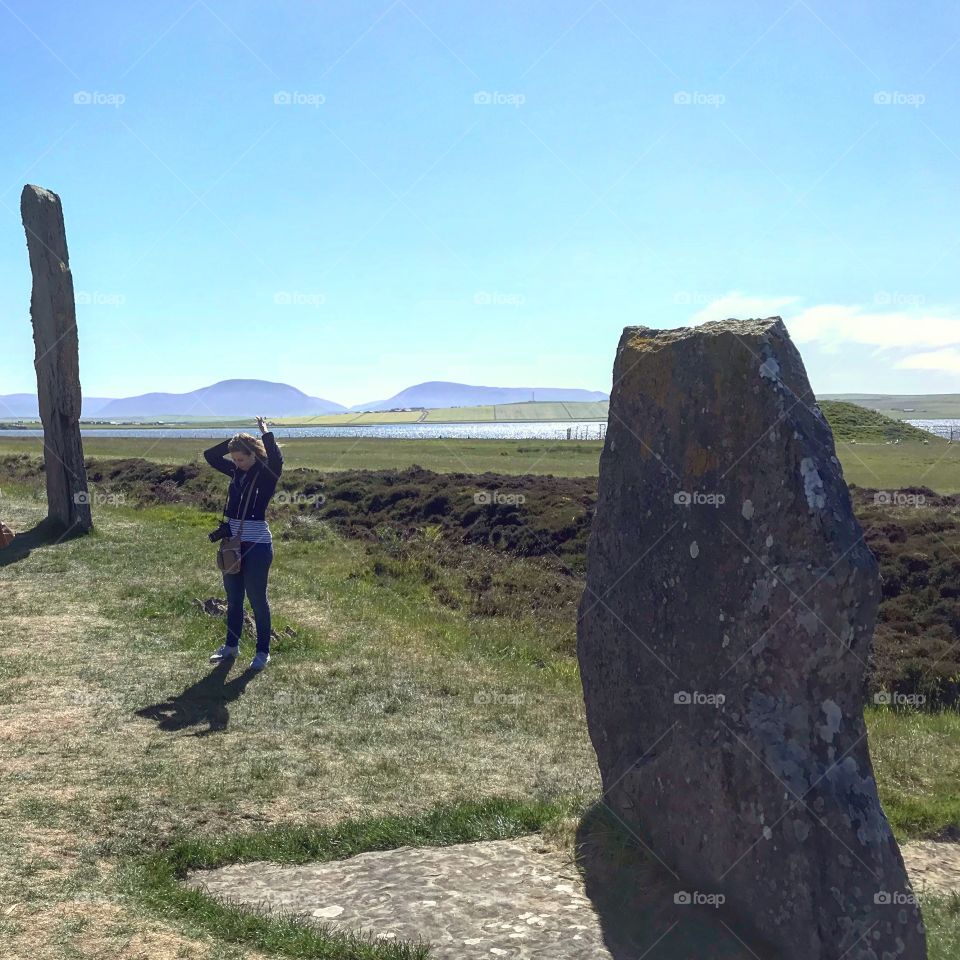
(203, 702)
(46, 533)
(634, 898)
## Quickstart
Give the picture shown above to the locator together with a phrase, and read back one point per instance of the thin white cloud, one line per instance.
(944, 361)
(834, 325)
(741, 306)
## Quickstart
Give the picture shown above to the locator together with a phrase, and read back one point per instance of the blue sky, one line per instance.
(352, 198)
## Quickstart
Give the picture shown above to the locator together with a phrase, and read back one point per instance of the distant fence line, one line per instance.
(585, 432)
(949, 430)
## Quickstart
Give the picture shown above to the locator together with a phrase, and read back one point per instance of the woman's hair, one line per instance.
(247, 443)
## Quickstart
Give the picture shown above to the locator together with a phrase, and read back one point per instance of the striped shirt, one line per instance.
(254, 531)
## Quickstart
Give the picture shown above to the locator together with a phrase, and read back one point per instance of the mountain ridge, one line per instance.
(250, 397)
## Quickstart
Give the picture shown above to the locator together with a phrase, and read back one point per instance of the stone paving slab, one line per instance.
(933, 867)
(502, 898)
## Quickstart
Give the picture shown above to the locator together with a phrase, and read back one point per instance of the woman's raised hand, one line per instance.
(262, 424)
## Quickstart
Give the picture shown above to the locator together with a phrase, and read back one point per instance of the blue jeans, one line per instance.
(255, 560)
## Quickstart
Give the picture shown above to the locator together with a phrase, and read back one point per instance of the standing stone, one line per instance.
(723, 640)
(57, 359)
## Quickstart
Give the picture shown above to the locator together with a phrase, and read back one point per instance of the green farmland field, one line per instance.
(883, 466)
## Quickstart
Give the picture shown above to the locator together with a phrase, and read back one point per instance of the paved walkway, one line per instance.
(933, 867)
(505, 898)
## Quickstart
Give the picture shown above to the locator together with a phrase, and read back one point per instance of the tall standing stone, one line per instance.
(57, 359)
(723, 640)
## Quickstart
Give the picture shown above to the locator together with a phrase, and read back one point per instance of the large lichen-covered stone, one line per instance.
(57, 359)
(723, 638)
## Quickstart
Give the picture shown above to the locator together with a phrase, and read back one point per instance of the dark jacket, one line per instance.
(264, 476)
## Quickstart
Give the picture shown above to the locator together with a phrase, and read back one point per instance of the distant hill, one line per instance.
(852, 422)
(442, 393)
(91, 406)
(930, 406)
(227, 398)
(224, 399)
(19, 405)
(235, 398)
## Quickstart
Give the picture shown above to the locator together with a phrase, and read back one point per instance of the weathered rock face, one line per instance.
(57, 359)
(723, 639)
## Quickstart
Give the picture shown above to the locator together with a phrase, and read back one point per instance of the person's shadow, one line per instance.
(45, 533)
(203, 702)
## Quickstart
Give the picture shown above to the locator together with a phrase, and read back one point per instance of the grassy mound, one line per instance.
(851, 422)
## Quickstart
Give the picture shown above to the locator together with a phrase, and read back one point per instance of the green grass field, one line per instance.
(124, 754)
(935, 465)
(501, 413)
(561, 458)
(351, 419)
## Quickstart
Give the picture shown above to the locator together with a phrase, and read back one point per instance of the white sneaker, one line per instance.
(259, 661)
(224, 653)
